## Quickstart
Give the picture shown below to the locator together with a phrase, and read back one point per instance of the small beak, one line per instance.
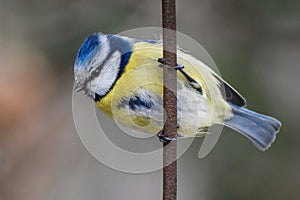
(78, 86)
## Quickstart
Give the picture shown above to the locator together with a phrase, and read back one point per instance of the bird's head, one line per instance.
(100, 61)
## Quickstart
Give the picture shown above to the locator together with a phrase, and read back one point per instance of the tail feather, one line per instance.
(260, 129)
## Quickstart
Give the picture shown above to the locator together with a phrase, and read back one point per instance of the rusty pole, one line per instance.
(169, 99)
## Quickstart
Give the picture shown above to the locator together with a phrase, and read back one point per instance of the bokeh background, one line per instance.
(256, 45)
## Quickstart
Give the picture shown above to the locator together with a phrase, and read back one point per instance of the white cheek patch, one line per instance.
(108, 75)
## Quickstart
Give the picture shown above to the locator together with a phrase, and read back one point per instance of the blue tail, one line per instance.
(260, 129)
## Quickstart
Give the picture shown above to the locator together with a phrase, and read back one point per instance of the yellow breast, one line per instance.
(143, 70)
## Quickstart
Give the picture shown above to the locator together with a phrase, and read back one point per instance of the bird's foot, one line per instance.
(177, 67)
(161, 60)
(163, 138)
(192, 81)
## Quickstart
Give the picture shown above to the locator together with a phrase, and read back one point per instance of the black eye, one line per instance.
(95, 72)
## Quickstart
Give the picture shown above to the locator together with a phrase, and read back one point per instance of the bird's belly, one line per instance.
(147, 117)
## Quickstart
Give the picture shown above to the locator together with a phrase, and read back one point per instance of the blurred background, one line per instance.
(255, 44)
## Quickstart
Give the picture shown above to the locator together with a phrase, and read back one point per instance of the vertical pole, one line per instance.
(169, 99)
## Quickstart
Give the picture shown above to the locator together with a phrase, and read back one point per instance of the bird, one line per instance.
(124, 77)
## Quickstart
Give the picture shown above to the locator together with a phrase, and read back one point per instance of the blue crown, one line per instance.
(86, 50)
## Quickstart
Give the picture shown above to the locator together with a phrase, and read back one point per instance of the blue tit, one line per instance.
(124, 78)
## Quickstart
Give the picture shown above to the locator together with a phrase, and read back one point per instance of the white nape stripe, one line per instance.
(102, 53)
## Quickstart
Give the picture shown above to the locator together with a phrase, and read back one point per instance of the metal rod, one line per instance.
(169, 99)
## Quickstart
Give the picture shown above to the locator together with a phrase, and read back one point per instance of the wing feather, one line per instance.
(231, 95)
